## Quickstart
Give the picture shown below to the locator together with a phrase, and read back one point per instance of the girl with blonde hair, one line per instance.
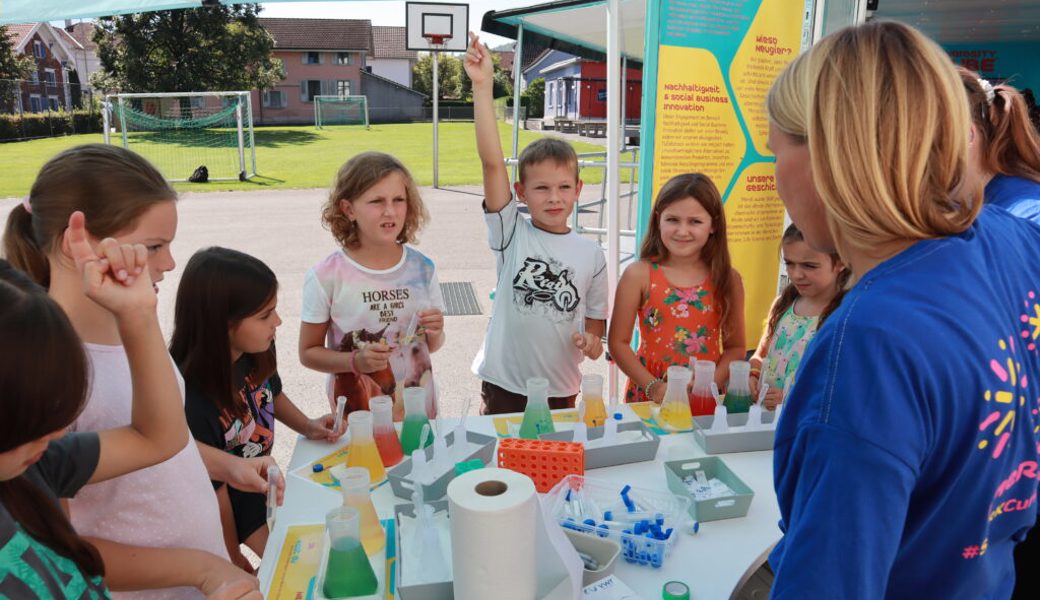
(925, 459)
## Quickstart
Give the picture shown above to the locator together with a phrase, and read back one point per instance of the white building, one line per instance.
(390, 59)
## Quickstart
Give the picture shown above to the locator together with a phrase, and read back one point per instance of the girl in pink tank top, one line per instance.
(685, 295)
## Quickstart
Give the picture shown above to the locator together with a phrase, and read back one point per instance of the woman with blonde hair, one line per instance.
(905, 461)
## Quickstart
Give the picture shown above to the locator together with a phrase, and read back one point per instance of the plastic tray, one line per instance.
(734, 441)
(599, 496)
(605, 551)
(598, 457)
(715, 509)
(400, 475)
(442, 590)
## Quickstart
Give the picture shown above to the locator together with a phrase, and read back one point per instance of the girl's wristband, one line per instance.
(353, 362)
(649, 387)
(755, 372)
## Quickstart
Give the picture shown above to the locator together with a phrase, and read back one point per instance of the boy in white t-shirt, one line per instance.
(550, 309)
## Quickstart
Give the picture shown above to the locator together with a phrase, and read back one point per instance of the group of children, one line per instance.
(149, 520)
(89, 245)
(683, 293)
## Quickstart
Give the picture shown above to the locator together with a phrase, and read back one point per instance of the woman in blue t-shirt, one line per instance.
(906, 458)
(1005, 146)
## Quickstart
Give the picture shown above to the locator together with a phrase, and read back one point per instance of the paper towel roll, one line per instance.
(493, 535)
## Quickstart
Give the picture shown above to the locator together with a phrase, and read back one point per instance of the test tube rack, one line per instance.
(544, 461)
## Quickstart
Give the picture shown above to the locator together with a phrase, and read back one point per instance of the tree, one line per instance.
(12, 68)
(214, 48)
(503, 81)
(451, 78)
(535, 96)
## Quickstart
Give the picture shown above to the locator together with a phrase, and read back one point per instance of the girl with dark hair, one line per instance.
(687, 297)
(816, 284)
(223, 341)
(137, 521)
(44, 373)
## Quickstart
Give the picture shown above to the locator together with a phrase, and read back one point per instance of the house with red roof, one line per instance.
(53, 51)
(321, 57)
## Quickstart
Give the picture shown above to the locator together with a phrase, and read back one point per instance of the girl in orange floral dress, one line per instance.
(687, 298)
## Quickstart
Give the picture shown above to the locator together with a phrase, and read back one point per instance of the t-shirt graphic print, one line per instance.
(544, 286)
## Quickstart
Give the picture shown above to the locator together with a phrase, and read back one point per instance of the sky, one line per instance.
(389, 12)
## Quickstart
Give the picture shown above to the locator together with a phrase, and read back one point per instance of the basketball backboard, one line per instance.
(427, 23)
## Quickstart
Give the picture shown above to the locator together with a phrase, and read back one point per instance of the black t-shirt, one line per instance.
(247, 436)
(31, 569)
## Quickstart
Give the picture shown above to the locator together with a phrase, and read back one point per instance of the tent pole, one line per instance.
(612, 180)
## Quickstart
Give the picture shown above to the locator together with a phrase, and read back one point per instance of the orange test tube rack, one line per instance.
(545, 461)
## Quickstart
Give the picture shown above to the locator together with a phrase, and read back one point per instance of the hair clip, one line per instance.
(26, 205)
(987, 88)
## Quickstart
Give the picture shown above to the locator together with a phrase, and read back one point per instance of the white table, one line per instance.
(714, 563)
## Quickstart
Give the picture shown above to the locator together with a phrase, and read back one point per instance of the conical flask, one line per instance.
(675, 408)
(592, 395)
(362, 451)
(383, 431)
(738, 392)
(357, 494)
(414, 419)
(348, 572)
(701, 401)
(537, 418)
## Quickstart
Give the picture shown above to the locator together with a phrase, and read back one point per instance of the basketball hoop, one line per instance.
(436, 39)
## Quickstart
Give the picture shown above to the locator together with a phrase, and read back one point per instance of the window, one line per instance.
(275, 99)
(343, 88)
(35, 77)
(344, 58)
(552, 90)
(48, 76)
(52, 102)
(309, 88)
(312, 58)
(34, 103)
(39, 50)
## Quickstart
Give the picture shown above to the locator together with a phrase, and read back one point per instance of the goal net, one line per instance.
(181, 132)
(340, 110)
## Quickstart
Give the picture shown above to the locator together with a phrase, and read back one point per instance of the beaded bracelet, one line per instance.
(648, 388)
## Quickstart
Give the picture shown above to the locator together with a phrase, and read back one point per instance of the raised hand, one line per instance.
(477, 62)
(114, 275)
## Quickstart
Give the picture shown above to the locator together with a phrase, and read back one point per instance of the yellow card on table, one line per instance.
(295, 576)
(324, 476)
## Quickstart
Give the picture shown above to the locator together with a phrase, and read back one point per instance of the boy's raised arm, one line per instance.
(479, 68)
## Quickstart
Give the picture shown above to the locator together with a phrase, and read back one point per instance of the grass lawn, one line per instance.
(303, 157)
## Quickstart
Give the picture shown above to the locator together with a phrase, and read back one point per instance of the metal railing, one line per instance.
(629, 193)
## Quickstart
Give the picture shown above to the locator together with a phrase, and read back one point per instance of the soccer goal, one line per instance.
(181, 132)
(340, 110)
